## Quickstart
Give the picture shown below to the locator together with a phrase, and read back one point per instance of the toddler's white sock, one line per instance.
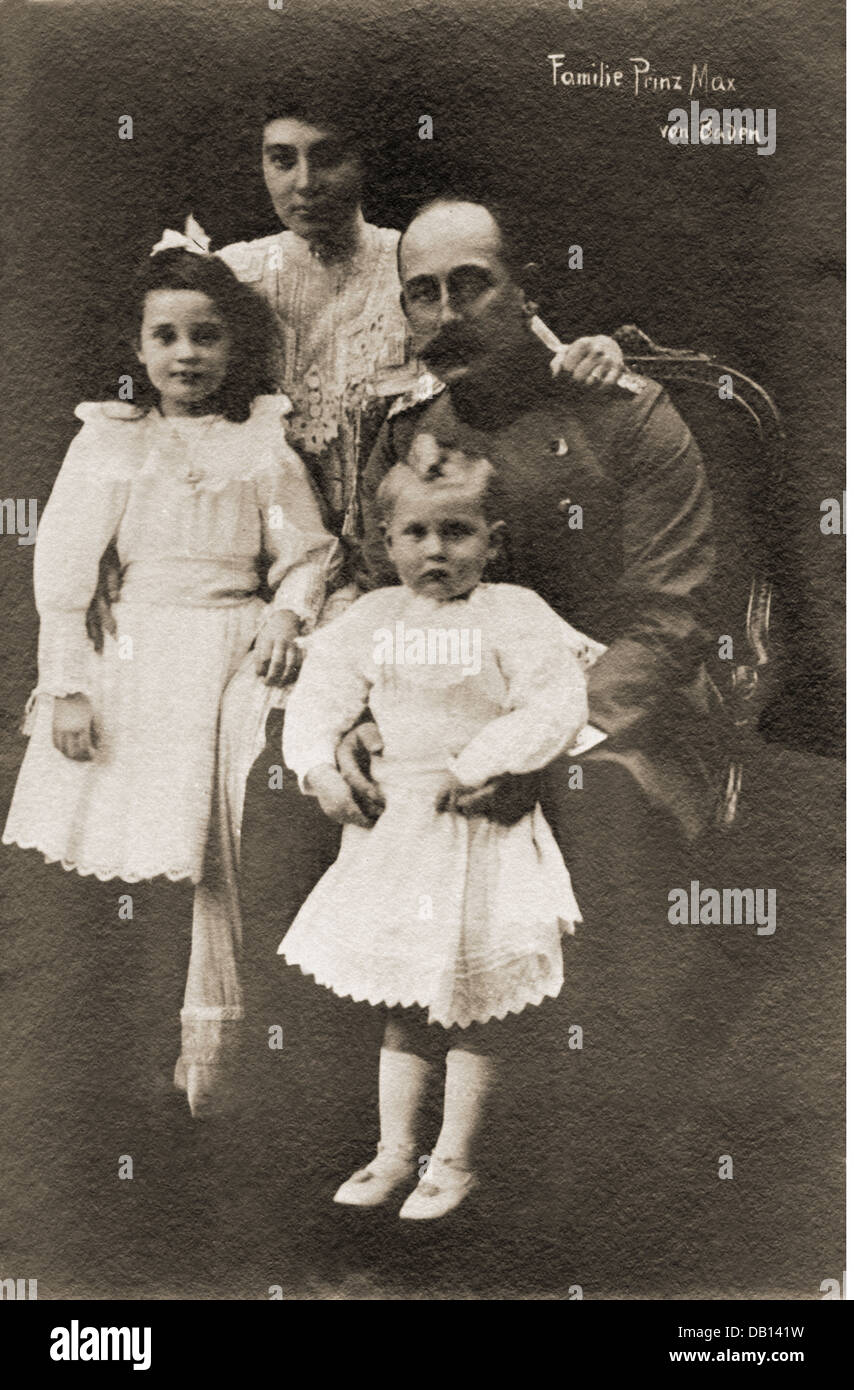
(404, 1081)
(469, 1080)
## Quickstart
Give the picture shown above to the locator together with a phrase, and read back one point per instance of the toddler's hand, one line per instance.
(336, 799)
(277, 657)
(593, 362)
(74, 731)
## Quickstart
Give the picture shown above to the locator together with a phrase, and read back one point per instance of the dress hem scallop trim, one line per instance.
(524, 997)
(104, 875)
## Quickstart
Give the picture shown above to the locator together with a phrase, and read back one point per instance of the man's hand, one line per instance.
(277, 658)
(354, 763)
(335, 797)
(74, 731)
(504, 800)
(99, 615)
(593, 362)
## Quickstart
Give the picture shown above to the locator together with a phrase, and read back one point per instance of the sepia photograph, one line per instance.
(422, 715)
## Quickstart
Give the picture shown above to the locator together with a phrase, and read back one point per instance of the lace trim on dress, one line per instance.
(276, 403)
(53, 690)
(477, 996)
(105, 874)
(109, 410)
(185, 440)
(205, 458)
(200, 453)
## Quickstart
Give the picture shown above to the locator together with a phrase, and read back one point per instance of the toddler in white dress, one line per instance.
(193, 483)
(447, 920)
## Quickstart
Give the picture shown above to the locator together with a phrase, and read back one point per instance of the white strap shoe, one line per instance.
(376, 1183)
(440, 1191)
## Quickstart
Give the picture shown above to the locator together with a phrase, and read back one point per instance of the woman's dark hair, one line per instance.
(353, 116)
(251, 325)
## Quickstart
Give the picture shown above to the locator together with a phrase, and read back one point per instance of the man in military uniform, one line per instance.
(609, 520)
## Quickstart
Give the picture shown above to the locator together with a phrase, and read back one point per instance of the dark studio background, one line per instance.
(716, 249)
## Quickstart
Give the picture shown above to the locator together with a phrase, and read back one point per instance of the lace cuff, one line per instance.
(64, 654)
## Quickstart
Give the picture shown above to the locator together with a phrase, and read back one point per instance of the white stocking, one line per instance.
(469, 1080)
(404, 1082)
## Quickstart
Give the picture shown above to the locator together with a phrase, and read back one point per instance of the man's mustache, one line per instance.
(452, 345)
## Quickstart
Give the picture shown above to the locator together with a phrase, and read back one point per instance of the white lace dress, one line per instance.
(461, 916)
(191, 504)
(342, 333)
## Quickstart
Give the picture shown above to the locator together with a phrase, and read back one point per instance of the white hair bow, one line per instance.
(191, 239)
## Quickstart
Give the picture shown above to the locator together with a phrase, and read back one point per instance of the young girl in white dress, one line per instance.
(448, 921)
(194, 483)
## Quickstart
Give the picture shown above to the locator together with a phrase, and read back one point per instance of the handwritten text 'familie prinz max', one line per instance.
(638, 76)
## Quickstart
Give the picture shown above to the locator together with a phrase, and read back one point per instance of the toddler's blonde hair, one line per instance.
(449, 470)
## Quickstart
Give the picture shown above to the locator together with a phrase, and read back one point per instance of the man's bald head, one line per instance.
(461, 291)
(452, 216)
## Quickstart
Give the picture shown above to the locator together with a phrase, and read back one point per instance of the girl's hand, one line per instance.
(74, 730)
(277, 658)
(593, 362)
(335, 797)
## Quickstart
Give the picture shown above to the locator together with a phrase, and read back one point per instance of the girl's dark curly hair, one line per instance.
(251, 325)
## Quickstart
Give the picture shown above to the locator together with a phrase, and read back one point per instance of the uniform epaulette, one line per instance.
(409, 391)
(630, 381)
